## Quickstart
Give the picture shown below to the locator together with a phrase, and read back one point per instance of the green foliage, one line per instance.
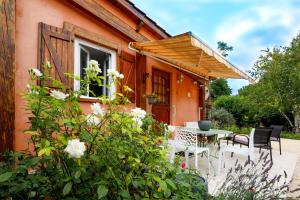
(252, 180)
(237, 130)
(221, 118)
(290, 135)
(237, 107)
(278, 73)
(117, 155)
(224, 48)
(219, 87)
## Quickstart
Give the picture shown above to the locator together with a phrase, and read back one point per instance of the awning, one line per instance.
(189, 53)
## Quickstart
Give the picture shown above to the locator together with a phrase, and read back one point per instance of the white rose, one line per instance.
(96, 109)
(75, 148)
(138, 113)
(138, 122)
(94, 66)
(92, 120)
(171, 128)
(35, 72)
(58, 94)
(114, 73)
(121, 76)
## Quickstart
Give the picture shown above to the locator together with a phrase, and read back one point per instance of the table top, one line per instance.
(210, 132)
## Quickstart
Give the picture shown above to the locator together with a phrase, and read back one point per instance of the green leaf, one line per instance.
(125, 194)
(4, 177)
(77, 174)
(102, 191)
(67, 188)
(170, 183)
(163, 185)
(167, 193)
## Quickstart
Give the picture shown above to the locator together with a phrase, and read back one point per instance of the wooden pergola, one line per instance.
(189, 53)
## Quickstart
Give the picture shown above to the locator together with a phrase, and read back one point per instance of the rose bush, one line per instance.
(105, 154)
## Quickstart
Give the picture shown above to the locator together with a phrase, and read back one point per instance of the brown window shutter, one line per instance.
(56, 46)
(128, 68)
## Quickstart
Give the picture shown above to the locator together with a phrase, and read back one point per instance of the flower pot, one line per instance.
(204, 125)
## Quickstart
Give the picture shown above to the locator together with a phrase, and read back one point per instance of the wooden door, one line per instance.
(161, 87)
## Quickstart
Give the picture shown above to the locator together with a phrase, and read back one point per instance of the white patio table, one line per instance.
(218, 133)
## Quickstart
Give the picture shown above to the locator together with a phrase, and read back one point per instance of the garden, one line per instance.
(111, 152)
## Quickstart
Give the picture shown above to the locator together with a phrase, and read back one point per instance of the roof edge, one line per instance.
(128, 5)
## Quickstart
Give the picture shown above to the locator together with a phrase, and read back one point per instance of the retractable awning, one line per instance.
(189, 53)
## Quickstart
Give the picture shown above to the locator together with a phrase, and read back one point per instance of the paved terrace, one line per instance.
(288, 161)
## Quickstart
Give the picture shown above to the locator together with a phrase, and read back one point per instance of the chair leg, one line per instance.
(280, 146)
(208, 161)
(220, 161)
(186, 155)
(271, 154)
(259, 149)
(196, 161)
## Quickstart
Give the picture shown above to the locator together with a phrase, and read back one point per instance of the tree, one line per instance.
(234, 105)
(278, 73)
(219, 87)
(224, 48)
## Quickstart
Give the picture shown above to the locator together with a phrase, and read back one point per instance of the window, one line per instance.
(84, 52)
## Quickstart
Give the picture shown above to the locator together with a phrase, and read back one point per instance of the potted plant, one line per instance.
(152, 98)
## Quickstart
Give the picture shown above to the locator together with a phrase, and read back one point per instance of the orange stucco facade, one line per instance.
(184, 94)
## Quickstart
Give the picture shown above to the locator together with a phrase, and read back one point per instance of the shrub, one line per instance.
(221, 118)
(107, 154)
(237, 130)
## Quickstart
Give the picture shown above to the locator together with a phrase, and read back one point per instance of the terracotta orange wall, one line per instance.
(55, 12)
(52, 12)
(183, 108)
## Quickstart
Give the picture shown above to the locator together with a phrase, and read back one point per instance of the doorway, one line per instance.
(161, 87)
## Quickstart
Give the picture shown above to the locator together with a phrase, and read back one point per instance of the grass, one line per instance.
(246, 131)
(290, 135)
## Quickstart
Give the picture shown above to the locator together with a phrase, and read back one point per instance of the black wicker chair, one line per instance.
(275, 136)
(261, 139)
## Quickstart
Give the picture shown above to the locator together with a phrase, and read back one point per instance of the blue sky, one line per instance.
(248, 25)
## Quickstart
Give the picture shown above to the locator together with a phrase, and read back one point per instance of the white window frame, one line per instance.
(77, 67)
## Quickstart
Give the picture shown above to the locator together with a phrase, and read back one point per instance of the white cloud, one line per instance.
(268, 16)
(262, 26)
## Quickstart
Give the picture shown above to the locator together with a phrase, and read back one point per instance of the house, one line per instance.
(68, 33)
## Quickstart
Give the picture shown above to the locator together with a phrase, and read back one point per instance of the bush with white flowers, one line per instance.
(104, 152)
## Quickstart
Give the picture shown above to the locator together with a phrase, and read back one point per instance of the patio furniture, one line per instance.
(261, 139)
(275, 136)
(191, 124)
(186, 140)
(233, 149)
(218, 133)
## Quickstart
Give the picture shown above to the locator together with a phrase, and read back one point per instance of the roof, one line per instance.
(189, 53)
(129, 6)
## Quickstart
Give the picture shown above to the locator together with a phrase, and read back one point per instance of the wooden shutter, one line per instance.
(56, 46)
(128, 68)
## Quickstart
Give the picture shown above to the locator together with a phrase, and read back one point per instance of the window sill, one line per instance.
(88, 99)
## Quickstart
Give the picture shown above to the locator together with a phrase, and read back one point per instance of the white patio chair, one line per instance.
(186, 140)
(191, 124)
(247, 151)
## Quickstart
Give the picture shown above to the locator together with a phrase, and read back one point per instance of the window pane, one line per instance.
(83, 62)
(103, 58)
